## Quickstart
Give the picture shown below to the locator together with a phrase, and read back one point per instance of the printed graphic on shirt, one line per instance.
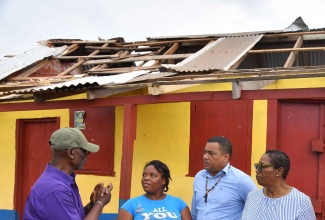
(157, 213)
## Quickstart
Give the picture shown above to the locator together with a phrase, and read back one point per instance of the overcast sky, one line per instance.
(25, 22)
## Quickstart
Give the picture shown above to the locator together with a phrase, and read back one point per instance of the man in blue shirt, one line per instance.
(55, 195)
(220, 190)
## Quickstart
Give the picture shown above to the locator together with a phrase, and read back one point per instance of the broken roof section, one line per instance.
(221, 54)
(182, 60)
(9, 66)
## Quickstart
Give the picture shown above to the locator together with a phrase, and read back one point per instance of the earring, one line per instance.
(277, 175)
(71, 157)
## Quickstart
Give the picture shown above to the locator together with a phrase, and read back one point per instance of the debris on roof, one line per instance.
(65, 65)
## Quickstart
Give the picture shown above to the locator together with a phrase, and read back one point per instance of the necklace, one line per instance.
(209, 190)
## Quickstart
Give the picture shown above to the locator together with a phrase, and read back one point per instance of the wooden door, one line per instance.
(33, 152)
(232, 119)
(301, 135)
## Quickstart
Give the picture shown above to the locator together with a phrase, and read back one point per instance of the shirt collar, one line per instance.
(69, 179)
(224, 170)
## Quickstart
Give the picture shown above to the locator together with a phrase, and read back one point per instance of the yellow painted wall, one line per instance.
(159, 127)
(163, 134)
(8, 152)
(258, 133)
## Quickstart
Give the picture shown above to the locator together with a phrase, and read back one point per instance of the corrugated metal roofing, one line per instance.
(83, 82)
(219, 55)
(21, 61)
(214, 35)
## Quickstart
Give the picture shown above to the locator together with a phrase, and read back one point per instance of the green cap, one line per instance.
(66, 138)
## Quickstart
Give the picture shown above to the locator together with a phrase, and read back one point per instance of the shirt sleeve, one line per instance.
(182, 204)
(128, 206)
(246, 185)
(60, 204)
(193, 206)
(307, 210)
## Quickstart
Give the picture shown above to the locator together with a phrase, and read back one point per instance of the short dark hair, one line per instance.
(279, 159)
(225, 145)
(163, 169)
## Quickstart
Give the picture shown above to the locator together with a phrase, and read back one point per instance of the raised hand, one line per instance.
(104, 194)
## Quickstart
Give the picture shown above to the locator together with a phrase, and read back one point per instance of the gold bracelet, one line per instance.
(100, 203)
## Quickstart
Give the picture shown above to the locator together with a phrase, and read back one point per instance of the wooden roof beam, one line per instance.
(80, 62)
(152, 43)
(282, 50)
(292, 57)
(140, 58)
(123, 48)
(162, 89)
(105, 92)
(171, 50)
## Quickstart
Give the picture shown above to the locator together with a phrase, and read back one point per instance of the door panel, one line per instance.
(300, 124)
(232, 119)
(33, 152)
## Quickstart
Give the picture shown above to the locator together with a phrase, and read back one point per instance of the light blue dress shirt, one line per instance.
(226, 200)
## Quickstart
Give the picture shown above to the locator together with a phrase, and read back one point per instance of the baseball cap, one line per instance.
(66, 138)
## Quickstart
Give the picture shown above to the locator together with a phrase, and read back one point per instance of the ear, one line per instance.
(226, 157)
(280, 171)
(70, 153)
(163, 181)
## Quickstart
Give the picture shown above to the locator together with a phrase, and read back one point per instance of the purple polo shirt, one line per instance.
(55, 195)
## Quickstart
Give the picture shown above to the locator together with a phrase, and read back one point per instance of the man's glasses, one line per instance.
(259, 166)
(83, 150)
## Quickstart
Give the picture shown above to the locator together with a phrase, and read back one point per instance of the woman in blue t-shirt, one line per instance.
(155, 203)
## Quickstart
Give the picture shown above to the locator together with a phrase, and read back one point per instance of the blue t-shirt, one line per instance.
(143, 208)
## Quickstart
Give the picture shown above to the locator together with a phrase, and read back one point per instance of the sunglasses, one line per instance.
(260, 166)
(85, 151)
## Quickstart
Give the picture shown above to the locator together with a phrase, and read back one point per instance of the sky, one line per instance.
(23, 23)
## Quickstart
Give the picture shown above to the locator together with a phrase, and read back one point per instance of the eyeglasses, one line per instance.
(260, 166)
(84, 151)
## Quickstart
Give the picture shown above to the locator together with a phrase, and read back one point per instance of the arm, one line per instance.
(186, 214)
(124, 215)
(93, 198)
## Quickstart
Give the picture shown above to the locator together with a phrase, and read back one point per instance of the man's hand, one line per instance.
(104, 194)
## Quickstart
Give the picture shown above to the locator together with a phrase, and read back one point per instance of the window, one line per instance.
(99, 129)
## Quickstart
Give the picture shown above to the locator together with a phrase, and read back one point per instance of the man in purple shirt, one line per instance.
(55, 194)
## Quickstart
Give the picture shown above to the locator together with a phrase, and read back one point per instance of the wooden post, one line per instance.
(129, 135)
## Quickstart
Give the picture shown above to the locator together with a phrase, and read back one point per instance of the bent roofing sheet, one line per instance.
(83, 82)
(219, 55)
(21, 61)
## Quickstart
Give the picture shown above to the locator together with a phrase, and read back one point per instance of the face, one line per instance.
(152, 180)
(213, 159)
(267, 176)
(80, 157)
